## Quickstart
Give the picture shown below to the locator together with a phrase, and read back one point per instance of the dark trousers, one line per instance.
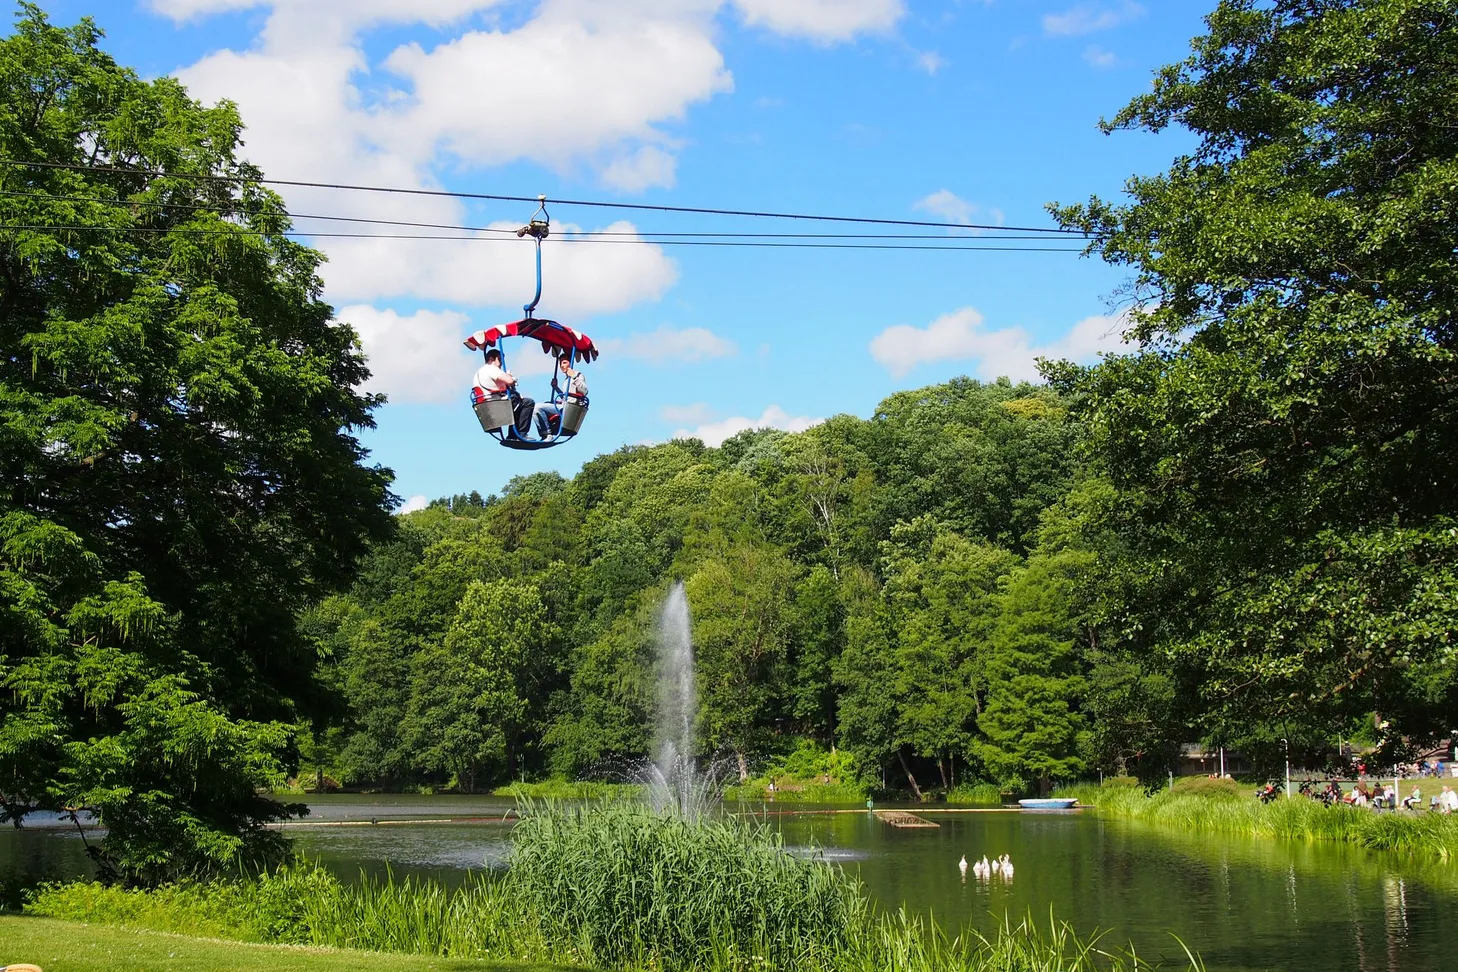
(522, 409)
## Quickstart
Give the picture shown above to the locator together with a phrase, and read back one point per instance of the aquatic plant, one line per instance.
(627, 885)
(988, 794)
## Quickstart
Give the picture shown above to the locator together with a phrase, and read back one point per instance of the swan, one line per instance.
(962, 864)
(982, 869)
(1007, 866)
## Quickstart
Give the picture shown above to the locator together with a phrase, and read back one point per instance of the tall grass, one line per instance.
(977, 794)
(611, 887)
(1299, 818)
(628, 886)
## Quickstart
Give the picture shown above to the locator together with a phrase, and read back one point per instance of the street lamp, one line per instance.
(1287, 747)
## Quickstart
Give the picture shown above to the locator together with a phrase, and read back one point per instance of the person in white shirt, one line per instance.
(492, 379)
(576, 386)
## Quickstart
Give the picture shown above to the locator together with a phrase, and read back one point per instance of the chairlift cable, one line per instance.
(560, 234)
(244, 231)
(443, 193)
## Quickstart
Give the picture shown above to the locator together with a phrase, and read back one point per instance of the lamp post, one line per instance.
(1287, 747)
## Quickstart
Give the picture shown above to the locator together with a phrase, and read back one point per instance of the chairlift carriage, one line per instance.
(496, 411)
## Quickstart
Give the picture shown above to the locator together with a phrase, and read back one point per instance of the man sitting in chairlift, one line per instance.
(576, 387)
(492, 379)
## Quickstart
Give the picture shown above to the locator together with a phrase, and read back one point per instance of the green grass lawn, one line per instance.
(68, 946)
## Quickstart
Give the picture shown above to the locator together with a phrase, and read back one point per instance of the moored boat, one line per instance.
(1049, 803)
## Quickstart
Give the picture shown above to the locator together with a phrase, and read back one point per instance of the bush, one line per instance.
(807, 774)
(1207, 786)
(1120, 782)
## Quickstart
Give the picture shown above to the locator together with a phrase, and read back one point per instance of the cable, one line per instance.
(208, 177)
(241, 231)
(199, 207)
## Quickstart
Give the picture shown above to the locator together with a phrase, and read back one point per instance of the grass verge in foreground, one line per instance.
(1298, 818)
(607, 886)
(66, 946)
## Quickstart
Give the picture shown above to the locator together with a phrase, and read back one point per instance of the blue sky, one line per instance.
(952, 110)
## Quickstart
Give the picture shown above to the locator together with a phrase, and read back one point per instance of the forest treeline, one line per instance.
(1241, 529)
(912, 588)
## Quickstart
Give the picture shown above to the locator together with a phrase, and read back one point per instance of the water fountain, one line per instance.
(675, 780)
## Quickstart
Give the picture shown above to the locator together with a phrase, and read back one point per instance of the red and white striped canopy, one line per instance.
(550, 333)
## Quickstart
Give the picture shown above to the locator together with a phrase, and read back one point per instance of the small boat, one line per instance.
(1050, 803)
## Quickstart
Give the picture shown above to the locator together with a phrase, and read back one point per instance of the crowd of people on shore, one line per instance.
(1383, 796)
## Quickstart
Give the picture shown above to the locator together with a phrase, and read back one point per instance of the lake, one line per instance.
(1244, 904)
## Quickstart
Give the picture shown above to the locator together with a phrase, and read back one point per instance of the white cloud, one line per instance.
(1008, 351)
(695, 414)
(774, 417)
(573, 85)
(1088, 18)
(413, 505)
(822, 20)
(667, 344)
(648, 167)
(413, 357)
(930, 61)
(1097, 57)
(607, 87)
(948, 205)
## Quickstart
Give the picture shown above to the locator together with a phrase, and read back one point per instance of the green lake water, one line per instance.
(1243, 904)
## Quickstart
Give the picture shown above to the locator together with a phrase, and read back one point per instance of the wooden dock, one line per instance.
(900, 818)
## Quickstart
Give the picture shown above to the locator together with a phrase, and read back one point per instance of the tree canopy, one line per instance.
(179, 473)
(1283, 444)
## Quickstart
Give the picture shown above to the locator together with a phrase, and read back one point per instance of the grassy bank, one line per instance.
(567, 790)
(65, 946)
(611, 887)
(793, 790)
(1298, 818)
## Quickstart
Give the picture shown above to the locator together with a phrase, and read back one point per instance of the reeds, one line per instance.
(629, 886)
(1298, 818)
(978, 794)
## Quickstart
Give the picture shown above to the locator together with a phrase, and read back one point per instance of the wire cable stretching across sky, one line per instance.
(643, 207)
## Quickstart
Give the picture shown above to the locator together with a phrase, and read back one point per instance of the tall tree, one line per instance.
(1032, 728)
(941, 590)
(179, 473)
(1284, 442)
(467, 702)
(740, 604)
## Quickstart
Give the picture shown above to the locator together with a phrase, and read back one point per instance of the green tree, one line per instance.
(1291, 424)
(740, 604)
(179, 473)
(941, 590)
(467, 706)
(1032, 729)
(866, 713)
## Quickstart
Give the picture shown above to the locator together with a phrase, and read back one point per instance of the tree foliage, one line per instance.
(1283, 443)
(179, 473)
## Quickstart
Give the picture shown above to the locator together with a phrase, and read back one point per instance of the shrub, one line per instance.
(1207, 786)
(1120, 782)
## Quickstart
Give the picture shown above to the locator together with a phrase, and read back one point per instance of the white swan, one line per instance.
(1007, 866)
(982, 869)
(962, 864)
